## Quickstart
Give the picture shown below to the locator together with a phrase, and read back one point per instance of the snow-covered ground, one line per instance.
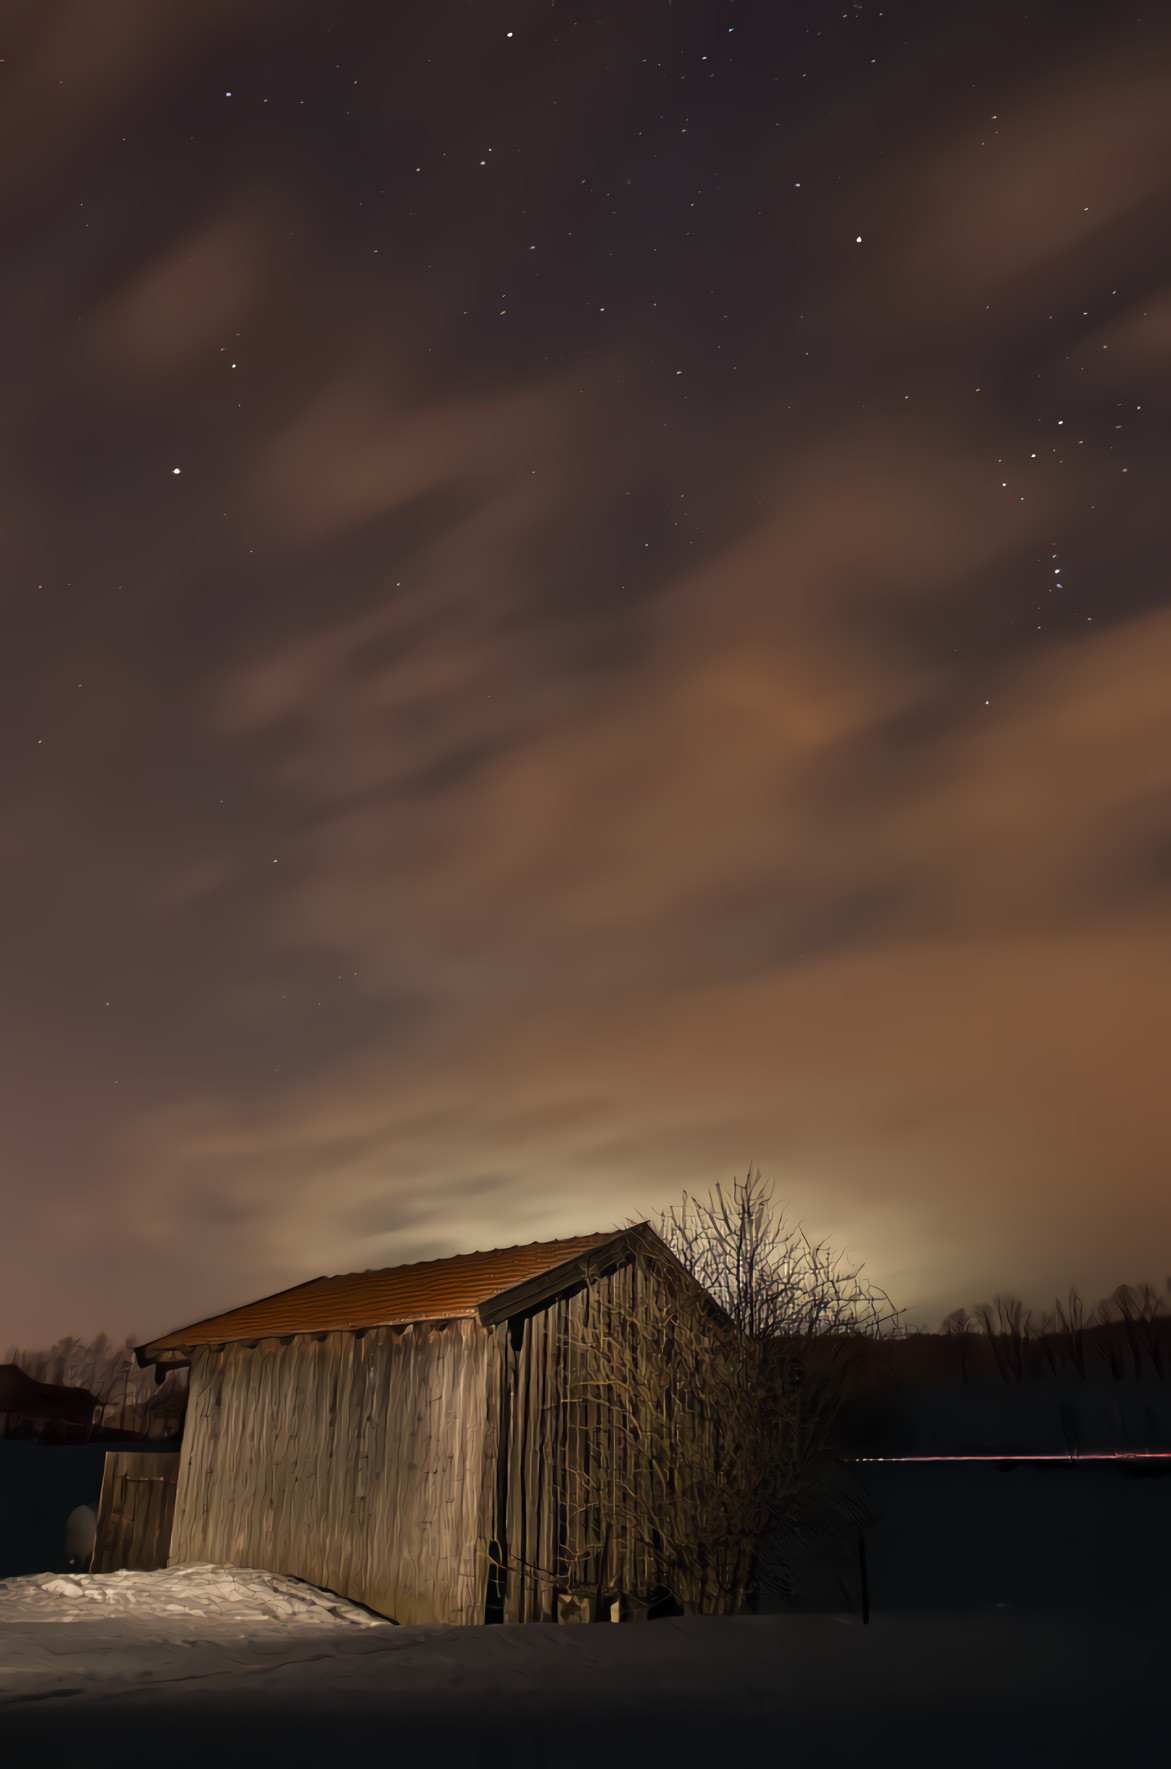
(227, 1665)
(202, 1595)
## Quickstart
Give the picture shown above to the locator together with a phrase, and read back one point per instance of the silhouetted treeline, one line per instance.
(1126, 1337)
(1129, 1333)
(131, 1401)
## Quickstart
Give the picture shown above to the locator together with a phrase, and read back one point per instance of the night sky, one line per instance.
(585, 603)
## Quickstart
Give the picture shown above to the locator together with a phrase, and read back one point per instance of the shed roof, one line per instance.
(431, 1290)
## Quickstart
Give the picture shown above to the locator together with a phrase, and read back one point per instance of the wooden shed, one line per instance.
(398, 1436)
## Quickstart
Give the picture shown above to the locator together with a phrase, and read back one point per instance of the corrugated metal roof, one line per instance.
(434, 1289)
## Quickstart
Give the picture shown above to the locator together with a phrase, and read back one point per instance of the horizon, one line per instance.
(1037, 1319)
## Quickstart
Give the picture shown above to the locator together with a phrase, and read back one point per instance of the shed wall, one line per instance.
(354, 1461)
(545, 1429)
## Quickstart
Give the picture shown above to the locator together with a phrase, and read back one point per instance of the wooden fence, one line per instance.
(135, 1511)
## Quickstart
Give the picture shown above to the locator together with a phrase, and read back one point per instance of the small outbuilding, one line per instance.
(22, 1395)
(401, 1437)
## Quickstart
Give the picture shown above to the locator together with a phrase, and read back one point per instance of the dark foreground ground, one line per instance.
(1001, 1689)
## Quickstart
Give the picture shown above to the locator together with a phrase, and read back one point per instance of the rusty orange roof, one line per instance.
(432, 1290)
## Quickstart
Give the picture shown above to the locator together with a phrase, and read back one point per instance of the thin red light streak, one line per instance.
(1010, 1456)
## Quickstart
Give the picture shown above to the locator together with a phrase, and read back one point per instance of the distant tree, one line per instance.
(1143, 1313)
(1063, 1334)
(1061, 1340)
(1007, 1323)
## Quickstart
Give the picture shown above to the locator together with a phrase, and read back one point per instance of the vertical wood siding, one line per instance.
(550, 1442)
(135, 1511)
(356, 1461)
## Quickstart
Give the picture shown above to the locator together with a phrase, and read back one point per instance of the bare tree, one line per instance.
(1064, 1334)
(810, 1313)
(1143, 1314)
(771, 1279)
(700, 1432)
(683, 1444)
(1008, 1326)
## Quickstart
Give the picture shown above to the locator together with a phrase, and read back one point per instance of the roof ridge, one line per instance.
(476, 1253)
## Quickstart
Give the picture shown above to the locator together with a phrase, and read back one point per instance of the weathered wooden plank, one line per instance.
(545, 1551)
(490, 1518)
(515, 1515)
(515, 1512)
(530, 1473)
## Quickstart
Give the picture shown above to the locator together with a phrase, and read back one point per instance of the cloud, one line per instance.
(79, 67)
(190, 301)
(350, 455)
(1048, 177)
(645, 950)
(657, 776)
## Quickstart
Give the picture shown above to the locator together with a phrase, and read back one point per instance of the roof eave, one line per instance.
(593, 1262)
(553, 1281)
(180, 1352)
